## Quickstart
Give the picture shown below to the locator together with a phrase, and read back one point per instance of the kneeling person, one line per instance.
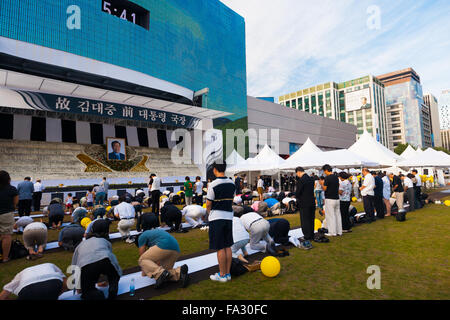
(158, 251)
(194, 214)
(41, 282)
(95, 257)
(258, 227)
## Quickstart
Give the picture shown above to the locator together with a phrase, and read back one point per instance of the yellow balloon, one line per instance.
(354, 199)
(447, 203)
(85, 222)
(270, 267)
(317, 224)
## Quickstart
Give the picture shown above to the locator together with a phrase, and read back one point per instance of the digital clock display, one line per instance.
(127, 10)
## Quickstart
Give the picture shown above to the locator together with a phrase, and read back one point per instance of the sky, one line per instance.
(295, 44)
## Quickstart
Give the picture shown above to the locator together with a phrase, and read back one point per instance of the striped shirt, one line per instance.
(221, 192)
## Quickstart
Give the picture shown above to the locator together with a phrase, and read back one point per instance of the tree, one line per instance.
(442, 149)
(400, 148)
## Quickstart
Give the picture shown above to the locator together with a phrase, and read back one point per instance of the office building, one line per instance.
(359, 102)
(433, 105)
(409, 118)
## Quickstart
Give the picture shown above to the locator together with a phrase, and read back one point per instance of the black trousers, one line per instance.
(155, 201)
(368, 207)
(45, 290)
(344, 205)
(37, 197)
(417, 197)
(379, 206)
(307, 216)
(198, 199)
(24, 207)
(173, 220)
(90, 275)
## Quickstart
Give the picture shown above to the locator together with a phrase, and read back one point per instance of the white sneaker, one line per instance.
(228, 277)
(217, 277)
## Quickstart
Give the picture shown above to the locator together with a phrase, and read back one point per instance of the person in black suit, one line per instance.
(307, 206)
(116, 155)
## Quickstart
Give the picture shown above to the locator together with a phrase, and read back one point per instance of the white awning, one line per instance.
(10, 81)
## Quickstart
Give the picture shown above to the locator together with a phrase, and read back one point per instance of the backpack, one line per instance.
(401, 215)
(237, 267)
(18, 250)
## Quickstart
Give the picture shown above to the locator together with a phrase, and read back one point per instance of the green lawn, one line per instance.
(413, 257)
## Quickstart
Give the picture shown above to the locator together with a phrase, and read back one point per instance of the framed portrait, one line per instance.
(115, 149)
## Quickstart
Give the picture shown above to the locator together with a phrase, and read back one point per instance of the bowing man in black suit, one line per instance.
(305, 203)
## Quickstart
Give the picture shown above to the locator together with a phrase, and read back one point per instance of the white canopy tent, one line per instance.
(307, 148)
(408, 153)
(367, 146)
(427, 158)
(234, 159)
(267, 159)
(337, 158)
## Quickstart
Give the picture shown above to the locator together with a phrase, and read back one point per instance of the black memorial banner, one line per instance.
(75, 105)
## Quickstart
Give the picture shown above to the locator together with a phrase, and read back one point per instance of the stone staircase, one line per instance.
(54, 160)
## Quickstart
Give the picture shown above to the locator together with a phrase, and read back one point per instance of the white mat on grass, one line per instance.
(112, 236)
(194, 265)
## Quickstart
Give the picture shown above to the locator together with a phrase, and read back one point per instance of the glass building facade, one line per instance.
(409, 95)
(195, 44)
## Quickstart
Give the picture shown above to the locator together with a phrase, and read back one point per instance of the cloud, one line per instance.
(294, 44)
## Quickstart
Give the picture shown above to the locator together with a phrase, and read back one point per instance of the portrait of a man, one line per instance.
(116, 149)
(364, 104)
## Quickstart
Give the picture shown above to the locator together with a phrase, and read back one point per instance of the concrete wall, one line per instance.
(296, 126)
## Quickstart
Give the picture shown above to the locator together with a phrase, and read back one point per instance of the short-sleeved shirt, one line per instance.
(221, 193)
(271, 202)
(346, 188)
(193, 210)
(408, 183)
(260, 183)
(124, 210)
(239, 232)
(199, 188)
(159, 238)
(332, 184)
(7, 195)
(25, 189)
(188, 188)
(24, 221)
(39, 273)
(156, 184)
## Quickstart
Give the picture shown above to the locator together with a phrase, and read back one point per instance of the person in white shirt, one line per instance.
(194, 214)
(126, 213)
(417, 190)
(258, 227)
(41, 282)
(22, 222)
(409, 190)
(155, 192)
(37, 195)
(387, 193)
(367, 194)
(240, 238)
(35, 235)
(198, 188)
(260, 188)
